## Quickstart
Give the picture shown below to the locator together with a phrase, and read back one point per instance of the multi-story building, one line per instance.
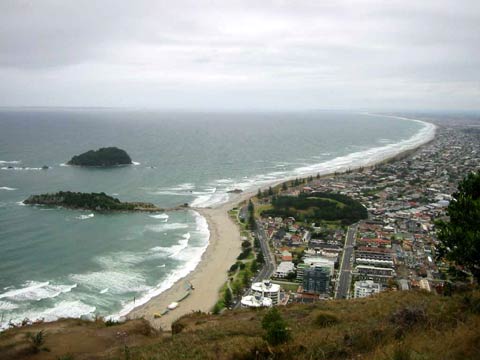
(378, 274)
(252, 301)
(316, 280)
(366, 288)
(267, 289)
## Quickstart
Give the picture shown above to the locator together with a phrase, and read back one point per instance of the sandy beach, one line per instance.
(207, 278)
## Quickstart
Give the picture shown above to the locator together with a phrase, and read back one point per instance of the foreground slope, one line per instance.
(394, 325)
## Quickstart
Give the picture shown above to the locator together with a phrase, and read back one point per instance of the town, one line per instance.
(393, 247)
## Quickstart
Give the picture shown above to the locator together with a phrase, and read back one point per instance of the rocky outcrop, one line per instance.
(103, 157)
(89, 201)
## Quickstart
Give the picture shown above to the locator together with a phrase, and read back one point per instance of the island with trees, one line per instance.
(89, 201)
(103, 157)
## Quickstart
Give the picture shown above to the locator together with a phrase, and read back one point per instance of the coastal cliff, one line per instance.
(89, 201)
(103, 157)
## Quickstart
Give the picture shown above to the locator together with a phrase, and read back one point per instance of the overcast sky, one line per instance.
(357, 54)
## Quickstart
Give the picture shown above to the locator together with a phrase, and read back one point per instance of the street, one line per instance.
(345, 271)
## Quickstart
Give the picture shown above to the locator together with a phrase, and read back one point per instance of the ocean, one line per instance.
(57, 263)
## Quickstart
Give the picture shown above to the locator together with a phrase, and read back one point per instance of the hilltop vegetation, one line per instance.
(110, 156)
(88, 201)
(393, 325)
(316, 206)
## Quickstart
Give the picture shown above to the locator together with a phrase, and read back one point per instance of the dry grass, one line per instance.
(397, 325)
(401, 325)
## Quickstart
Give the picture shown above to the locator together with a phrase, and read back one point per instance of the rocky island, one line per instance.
(89, 201)
(103, 157)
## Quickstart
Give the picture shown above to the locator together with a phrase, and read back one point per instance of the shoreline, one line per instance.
(207, 278)
(224, 245)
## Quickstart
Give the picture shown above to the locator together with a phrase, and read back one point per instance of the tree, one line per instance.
(250, 206)
(260, 259)
(246, 244)
(291, 276)
(251, 222)
(259, 194)
(254, 266)
(276, 327)
(245, 279)
(227, 298)
(270, 191)
(460, 237)
(237, 288)
(284, 186)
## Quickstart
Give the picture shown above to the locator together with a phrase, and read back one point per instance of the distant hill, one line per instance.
(110, 156)
(88, 201)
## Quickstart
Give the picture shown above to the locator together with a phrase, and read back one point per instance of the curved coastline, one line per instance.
(210, 273)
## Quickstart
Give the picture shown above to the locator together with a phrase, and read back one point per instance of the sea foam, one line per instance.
(62, 309)
(85, 217)
(159, 216)
(34, 290)
(342, 163)
(10, 161)
(201, 230)
(166, 227)
(117, 281)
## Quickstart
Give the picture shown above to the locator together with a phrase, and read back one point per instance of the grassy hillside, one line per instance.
(396, 325)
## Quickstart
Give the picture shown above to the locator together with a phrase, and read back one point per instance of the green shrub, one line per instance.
(276, 327)
(246, 244)
(36, 340)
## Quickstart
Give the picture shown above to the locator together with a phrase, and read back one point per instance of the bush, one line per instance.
(401, 353)
(325, 319)
(472, 303)
(217, 308)
(37, 340)
(65, 357)
(408, 317)
(276, 327)
(233, 268)
(177, 327)
(111, 322)
(244, 254)
(227, 298)
(246, 244)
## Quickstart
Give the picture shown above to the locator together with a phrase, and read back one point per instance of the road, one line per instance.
(269, 265)
(345, 277)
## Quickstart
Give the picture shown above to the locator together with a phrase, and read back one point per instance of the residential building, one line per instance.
(366, 288)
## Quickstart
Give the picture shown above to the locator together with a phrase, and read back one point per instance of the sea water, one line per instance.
(57, 262)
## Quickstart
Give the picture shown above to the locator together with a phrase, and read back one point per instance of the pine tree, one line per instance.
(460, 238)
(276, 327)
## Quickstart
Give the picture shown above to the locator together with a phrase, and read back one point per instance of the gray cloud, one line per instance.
(241, 54)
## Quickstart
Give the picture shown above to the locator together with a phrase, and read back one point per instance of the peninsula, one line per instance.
(103, 157)
(89, 201)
